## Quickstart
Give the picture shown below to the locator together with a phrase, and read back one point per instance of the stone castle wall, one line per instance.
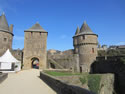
(106, 82)
(61, 87)
(86, 47)
(64, 84)
(18, 54)
(5, 42)
(65, 59)
(115, 66)
(35, 46)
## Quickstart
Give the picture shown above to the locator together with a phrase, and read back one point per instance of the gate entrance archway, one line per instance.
(35, 63)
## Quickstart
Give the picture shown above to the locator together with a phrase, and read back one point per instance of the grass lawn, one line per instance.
(55, 73)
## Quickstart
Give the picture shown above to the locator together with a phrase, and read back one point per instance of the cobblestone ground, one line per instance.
(25, 82)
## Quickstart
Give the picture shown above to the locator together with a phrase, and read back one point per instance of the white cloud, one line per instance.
(121, 43)
(63, 37)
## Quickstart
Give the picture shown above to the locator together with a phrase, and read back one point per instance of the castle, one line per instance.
(34, 54)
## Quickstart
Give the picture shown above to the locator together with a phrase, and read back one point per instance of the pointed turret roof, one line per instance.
(3, 23)
(77, 31)
(36, 28)
(85, 29)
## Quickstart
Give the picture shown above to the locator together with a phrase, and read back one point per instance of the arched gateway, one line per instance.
(35, 63)
(35, 48)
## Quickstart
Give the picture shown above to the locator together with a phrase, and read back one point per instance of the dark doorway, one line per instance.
(52, 65)
(35, 63)
(80, 69)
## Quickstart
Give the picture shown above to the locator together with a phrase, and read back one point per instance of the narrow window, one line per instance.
(80, 69)
(40, 33)
(92, 50)
(83, 37)
(5, 39)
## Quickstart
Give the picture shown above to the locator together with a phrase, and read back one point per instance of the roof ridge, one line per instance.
(36, 27)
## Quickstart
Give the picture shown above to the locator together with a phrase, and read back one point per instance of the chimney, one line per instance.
(11, 28)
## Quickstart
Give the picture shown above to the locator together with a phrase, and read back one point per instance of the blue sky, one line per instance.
(60, 19)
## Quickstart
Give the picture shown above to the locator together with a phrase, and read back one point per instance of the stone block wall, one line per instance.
(66, 59)
(97, 83)
(112, 66)
(35, 47)
(61, 87)
(3, 76)
(5, 42)
(18, 54)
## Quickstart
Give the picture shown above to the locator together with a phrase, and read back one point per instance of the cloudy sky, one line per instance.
(60, 19)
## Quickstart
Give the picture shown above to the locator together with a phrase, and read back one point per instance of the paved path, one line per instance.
(25, 82)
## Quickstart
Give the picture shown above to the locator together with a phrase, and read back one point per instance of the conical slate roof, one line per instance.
(77, 31)
(3, 23)
(85, 29)
(36, 28)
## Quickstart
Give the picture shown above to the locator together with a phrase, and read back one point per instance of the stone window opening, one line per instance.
(40, 33)
(5, 39)
(80, 69)
(92, 50)
(52, 66)
(83, 37)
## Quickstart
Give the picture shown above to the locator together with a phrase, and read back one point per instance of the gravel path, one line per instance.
(25, 82)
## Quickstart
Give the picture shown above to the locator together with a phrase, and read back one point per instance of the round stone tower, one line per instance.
(6, 35)
(85, 45)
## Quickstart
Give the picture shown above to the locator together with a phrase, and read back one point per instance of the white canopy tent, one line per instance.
(6, 61)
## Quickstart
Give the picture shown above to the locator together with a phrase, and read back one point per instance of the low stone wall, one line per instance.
(3, 77)
(61, 87)
(98, 83)
(114, 66)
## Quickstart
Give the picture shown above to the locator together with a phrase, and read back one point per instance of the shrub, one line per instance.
(83, 80)
(94, 83)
